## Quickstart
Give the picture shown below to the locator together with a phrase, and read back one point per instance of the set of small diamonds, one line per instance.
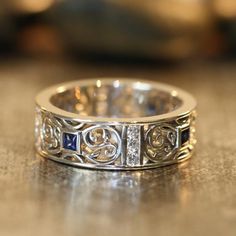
(133, 145)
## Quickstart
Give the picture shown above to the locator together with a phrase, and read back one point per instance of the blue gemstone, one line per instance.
(185, 135)
(70, 141)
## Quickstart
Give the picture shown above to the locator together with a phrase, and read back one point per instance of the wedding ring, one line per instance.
(117, 124)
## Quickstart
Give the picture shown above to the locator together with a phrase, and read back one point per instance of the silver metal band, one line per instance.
(115, 124)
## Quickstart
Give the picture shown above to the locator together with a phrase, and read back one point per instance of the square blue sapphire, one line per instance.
(185, 135)
(70, 141)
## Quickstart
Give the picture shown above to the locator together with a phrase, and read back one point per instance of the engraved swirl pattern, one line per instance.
(101, 144)
(50, 135)
(161, 141)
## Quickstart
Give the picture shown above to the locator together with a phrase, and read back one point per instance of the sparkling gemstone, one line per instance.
(185, 135)
(133, 145)
(70, 141)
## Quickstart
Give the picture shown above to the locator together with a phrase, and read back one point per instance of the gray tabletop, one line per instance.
(41, 197)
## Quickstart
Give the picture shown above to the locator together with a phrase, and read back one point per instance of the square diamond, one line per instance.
(70, 141)
(185, 135)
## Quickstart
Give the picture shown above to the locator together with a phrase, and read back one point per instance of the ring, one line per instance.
(117, 124)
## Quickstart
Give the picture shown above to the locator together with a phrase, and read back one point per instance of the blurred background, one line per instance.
(156, 30)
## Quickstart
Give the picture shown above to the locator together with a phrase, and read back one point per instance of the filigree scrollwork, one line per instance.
(71, 124)
(101, 144)
(50, 135)
(161, 141)
(74, 157)
(185, 120)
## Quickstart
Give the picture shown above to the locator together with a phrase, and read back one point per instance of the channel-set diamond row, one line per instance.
(133, 145)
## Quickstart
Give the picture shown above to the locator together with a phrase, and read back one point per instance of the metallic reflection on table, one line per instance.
(120, 194)
(134, 185)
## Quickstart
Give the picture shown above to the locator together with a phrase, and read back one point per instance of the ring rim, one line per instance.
(188, 101)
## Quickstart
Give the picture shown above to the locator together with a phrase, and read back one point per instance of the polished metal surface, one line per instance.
(40, 197)
(115, 124)
(115, 98)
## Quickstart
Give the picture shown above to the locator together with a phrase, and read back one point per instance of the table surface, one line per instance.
(41, 197)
